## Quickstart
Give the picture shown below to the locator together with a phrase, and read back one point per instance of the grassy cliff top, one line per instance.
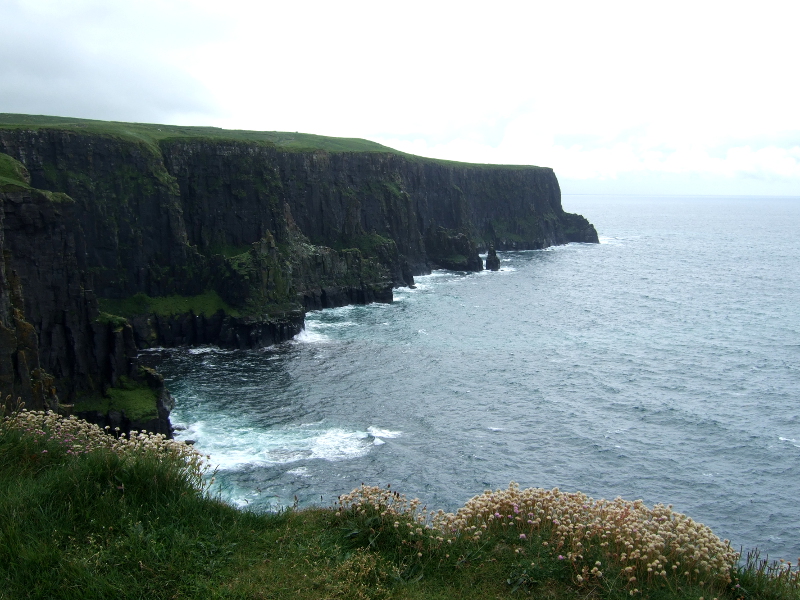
(151, 133)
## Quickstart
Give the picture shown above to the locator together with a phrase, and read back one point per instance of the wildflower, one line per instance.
(522, 536)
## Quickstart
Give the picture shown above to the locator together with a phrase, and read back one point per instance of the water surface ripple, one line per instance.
(662, 364)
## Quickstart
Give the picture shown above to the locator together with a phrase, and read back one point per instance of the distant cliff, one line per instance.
(120, 236)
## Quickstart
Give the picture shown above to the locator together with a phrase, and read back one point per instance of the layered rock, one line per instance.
(55, 349)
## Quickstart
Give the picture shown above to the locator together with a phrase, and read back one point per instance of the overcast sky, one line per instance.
(618, 97)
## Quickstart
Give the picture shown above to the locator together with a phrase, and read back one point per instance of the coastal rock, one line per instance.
(452, 250)
(492, 261)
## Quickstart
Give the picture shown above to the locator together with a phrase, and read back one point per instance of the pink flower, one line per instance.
(522, 536)
(560, 557)
(43, 451)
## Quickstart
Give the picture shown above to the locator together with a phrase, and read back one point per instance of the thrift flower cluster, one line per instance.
(383, 500)
(642, 542)
(77, 437)
(623, 539)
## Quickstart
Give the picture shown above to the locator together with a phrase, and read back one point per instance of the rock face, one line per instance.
(53, 342)
(113, 242)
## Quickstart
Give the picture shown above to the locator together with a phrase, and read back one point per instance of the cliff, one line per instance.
(121, 236)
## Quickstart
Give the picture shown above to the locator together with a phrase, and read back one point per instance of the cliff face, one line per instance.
(232, 193)
(53, 341)
(114, 241)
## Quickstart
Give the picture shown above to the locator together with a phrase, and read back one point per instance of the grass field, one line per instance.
(84, 515)
(154, 133)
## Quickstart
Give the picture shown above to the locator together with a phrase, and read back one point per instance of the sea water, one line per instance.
(661, 364)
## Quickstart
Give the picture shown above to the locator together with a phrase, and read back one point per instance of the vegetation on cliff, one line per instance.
(86, 515)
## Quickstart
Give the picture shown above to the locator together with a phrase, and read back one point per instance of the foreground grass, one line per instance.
(83, 515)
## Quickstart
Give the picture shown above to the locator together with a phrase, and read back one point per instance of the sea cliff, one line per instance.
(120, 236)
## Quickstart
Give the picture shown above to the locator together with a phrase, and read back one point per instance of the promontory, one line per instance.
(121, 236)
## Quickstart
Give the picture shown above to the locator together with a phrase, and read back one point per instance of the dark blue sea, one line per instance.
(661, 364)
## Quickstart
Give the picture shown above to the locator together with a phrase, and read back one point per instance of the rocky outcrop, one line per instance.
(124, 418)
(452, 250)
(219, 329)
(492, 260)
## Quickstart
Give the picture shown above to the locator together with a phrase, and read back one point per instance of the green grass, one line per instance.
(13, 175)
(138, 400)
(369, 244)
(12, 185)
(115, 321)
(151, 134)
(82, 518)
(207, 304)
(154, 133)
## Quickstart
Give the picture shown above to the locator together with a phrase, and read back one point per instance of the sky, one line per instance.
(644, 97)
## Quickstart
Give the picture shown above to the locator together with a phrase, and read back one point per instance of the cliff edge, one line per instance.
(120, 236)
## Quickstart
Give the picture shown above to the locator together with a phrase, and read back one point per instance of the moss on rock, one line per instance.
(137, 400)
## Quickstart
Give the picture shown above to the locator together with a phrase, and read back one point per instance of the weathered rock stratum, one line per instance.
(119, 236)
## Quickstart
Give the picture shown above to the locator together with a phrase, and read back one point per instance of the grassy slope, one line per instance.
(11, 175)
(106, 523)
(153, 133)
(206, 304)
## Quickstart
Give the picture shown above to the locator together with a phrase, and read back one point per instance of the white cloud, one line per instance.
(601, 92)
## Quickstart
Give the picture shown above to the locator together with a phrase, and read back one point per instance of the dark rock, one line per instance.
(492, 261)
(452, 250)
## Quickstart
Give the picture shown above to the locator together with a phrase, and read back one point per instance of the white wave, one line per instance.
(233, 447)
(378, 442)
(299, 471)
(202, 350)
(793, 442)
(210, 350)
(315, 314)
(332, 325)
(310, 336)
(432, 277)
(495, 428)
(377, 306)
(383, 433)
(338, 444)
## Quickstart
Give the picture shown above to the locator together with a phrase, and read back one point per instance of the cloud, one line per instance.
(602, 92)
(93, 60)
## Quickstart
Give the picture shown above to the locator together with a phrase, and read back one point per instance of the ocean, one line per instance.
(661, 364)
